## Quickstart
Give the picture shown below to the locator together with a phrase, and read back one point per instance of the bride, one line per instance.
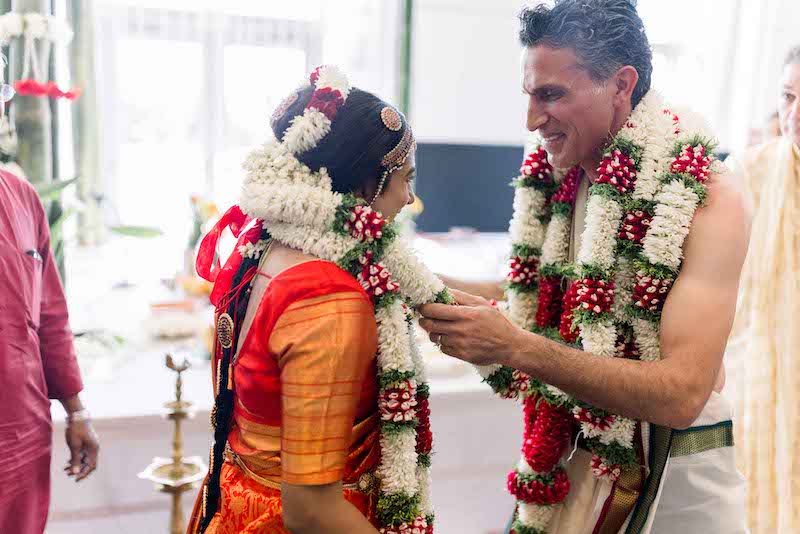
(321, 419)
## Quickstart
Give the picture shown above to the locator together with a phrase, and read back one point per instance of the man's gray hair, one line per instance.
(605, 35)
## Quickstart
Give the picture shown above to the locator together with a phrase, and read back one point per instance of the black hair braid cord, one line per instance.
(222, 412)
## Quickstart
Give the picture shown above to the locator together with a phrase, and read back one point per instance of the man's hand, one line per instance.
(473, 331)
(83, 448)
(490, 289)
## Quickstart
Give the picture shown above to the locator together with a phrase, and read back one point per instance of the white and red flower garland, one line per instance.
(651, 180)
(299, 208)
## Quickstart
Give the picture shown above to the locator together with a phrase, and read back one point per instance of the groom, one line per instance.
(586, 66)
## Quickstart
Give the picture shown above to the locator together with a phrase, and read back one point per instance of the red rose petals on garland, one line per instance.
(418, 526)
(627, 348)
(545, 490)
(550, 306)
(424, 435)
(617, 170)
(524, 271)
(397, 404)
(675, 119)
(537, 167)
(594, 295)
(520, 384)
(375, 277)
(600, 469)
(551, 288)
(598, 422)
(549, 436)
(365, 224)
(635, 226)
(568, 188)
(568, 332)
(694, 162)
(650, 293)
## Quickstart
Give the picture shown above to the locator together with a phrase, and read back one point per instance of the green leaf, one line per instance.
(583, 316)
(554, 270)
(525, 251)
(694, 140)
(144, 232)
(398, 508)
(606, 191)
(520, 528)
(52, 191)
(56, 227)
(562, 208)
(392, 378)
(628, 249)
(500, 380)
(444, 297)
(515, 287)
(614, 453)
(626, 146)
(596, 272)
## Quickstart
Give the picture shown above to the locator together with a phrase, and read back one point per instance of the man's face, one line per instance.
(789, 106)
(572, 113)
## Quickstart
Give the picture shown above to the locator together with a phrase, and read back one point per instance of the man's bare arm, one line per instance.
(695, 325)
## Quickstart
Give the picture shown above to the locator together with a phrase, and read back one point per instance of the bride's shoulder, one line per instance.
(305, 275)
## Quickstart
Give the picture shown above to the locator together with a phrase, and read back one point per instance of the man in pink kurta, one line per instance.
(37, 363)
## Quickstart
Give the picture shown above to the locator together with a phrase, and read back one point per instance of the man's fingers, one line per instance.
(87, 469)
(435, 338)
(74, 466)
(466, 299)
(441, 311)
(92, 452)
(438, 326)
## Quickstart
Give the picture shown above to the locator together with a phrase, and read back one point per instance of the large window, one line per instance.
(184, 94)
(186, 88)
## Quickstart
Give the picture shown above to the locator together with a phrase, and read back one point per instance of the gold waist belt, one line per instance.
(701, 438)
(367, 483)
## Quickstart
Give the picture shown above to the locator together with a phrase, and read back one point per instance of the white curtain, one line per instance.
(187, 86)
(722, 57)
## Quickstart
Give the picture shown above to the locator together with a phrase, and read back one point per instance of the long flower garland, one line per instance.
(651, 180)
(299, 208)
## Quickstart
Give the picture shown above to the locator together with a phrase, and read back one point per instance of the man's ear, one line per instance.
(625, 80)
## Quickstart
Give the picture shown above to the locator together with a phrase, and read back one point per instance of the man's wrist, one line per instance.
(72, 404)
(78, 416)
(517, 348)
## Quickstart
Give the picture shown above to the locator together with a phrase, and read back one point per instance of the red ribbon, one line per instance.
(208, 264)
(30, 87)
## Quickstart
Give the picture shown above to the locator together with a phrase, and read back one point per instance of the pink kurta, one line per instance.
(37, 357)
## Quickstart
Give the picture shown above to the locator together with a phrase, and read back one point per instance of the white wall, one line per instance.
(465, 72)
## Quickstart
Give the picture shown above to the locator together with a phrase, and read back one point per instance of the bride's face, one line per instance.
(398, 192)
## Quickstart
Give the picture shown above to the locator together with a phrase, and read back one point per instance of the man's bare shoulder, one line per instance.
(726, 200)
(721, 226)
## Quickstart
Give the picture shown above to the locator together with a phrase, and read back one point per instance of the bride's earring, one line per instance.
(380, 188)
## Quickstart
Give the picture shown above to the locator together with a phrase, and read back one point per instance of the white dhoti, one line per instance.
(699, 490)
